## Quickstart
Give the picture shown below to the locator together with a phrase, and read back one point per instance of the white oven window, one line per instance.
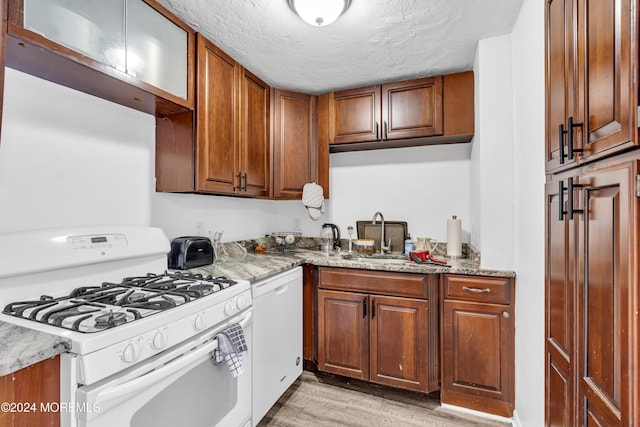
(201, 397)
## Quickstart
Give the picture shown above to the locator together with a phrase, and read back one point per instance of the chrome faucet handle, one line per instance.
(387, 248)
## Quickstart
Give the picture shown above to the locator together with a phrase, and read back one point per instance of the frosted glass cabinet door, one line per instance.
(94, 28)
(156, 49)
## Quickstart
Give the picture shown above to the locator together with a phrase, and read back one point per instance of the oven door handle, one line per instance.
(179, 363)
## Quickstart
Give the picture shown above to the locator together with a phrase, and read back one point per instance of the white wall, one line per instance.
(239, 218)
(492, 157)
(421, 185)
(67, 158)
(527, 40)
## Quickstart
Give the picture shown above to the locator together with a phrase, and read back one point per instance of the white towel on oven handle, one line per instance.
(231, 345)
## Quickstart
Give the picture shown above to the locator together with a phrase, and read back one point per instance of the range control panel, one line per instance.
(97, 242)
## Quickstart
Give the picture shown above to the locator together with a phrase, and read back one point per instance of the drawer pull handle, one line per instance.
(506, 314)
(476, 290)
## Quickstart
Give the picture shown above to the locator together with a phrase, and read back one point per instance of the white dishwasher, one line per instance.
(277, 338)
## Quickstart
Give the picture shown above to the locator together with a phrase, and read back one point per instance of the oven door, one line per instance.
(181, 386)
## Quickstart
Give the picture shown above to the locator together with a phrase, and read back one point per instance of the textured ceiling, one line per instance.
(374, 41)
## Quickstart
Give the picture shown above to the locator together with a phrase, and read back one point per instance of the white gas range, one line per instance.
(138, 333)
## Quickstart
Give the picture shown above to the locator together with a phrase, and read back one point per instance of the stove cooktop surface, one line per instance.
(91, 309)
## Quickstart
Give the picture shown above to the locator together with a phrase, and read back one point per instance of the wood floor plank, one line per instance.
(329, 401)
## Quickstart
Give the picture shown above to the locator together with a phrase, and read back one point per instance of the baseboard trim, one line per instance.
(516, 419)
(478, 413)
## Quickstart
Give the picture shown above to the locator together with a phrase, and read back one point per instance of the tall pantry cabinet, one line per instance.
(592, 213)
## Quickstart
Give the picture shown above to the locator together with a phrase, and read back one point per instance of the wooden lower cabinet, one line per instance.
(343, 333)
(592, 353)
(399, 339)
(384, 339)
(33, 388)
(478, 343)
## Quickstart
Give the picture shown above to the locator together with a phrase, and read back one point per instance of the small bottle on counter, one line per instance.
(408, 245)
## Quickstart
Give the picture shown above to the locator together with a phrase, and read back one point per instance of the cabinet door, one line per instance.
(36, 385)
(92, 27)
(607, 298)
(343, 333)
(295, 152)
(254, 135)
(217, 120)
(560, 74)
(356, 115)
(412, 109)
(606, 73)
(559, 313)
(399, 342)
(157, 49)
(477, 356)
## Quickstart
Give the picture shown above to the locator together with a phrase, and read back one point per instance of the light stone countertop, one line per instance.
(238, 263)
(22, 347)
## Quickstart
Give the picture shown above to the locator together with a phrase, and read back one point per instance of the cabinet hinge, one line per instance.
(637, 185)
(638, 116)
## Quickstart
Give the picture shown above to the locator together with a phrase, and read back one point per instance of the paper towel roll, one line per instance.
(454, 237)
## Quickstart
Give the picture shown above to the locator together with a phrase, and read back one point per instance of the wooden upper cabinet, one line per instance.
(295, 149)
(356, 115)
(433, 110)
(412, 109)
(232, 126)
(255, 134)
(590, 104)
(409, 109)
(560, 76)
(217, 120)
(606, 75)
(103, 50)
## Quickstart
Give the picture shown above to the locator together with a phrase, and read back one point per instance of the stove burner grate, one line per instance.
(110, 320)
(94, 308)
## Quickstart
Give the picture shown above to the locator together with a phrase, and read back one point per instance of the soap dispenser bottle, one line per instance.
(408, 244)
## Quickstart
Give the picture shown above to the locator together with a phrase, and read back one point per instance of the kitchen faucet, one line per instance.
(383, 248)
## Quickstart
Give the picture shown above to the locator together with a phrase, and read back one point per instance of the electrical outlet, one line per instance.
(199, 228)
(296, 224)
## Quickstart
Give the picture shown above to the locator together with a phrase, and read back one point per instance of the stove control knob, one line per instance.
(159, 340)
(199, 323)
(228, 308)
(131, 353)
(241, 302)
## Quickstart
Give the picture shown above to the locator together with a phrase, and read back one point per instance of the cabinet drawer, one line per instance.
(375, 282)
(477, 288)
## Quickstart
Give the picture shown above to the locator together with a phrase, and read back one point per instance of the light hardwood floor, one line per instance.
(325, 400)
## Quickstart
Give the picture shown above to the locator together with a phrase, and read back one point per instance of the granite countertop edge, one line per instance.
(238, 263)
(24, 347)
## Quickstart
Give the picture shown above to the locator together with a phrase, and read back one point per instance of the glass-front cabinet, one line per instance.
(94, 28)
(156, 49)
(139, 38)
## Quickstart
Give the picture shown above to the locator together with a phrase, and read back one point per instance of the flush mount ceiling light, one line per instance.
(319, 13)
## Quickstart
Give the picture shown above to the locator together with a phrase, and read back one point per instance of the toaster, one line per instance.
(189, 252)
